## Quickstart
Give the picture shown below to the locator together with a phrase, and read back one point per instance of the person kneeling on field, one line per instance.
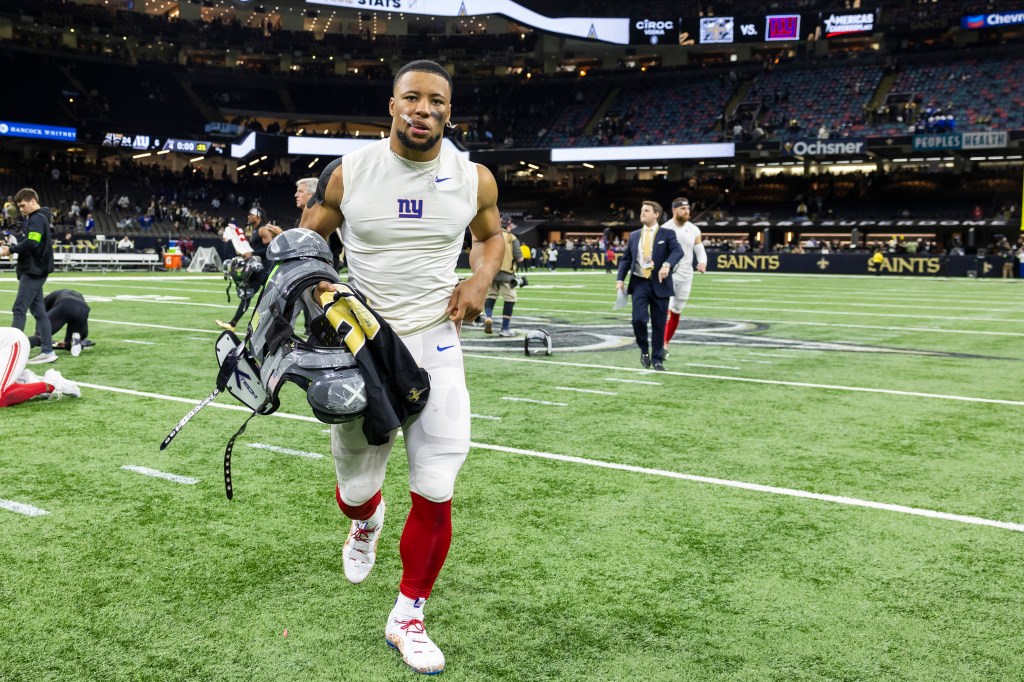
(67, 307)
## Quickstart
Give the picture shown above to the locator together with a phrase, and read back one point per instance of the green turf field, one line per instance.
(825, 485)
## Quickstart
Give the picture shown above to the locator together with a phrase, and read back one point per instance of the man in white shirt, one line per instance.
(403, 204)
(689, 238)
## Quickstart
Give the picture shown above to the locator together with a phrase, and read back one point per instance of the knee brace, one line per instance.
(433, 469)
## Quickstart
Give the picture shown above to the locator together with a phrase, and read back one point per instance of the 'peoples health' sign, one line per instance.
(990, 139)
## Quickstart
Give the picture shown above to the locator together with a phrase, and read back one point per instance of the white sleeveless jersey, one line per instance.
(403, 231)
(687, 236)
(236, 235)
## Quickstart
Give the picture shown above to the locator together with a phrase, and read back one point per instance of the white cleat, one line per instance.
(28, 377)
(360, 550)
(408, 634)
(61, 386)
(42, 358)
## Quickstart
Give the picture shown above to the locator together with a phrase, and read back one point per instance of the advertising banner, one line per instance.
(825, 147)
(993, 139)
(653, 30)
(37, 131)
(840, 24)
(994, 20)
(938, 141)
(987, 139)
(810, 263)
(609, 30)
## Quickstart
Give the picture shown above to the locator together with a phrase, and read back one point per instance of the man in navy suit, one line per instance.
(651, 254)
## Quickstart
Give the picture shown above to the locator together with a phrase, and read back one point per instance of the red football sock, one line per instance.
(19, 393)
(671, 326)
(424, 545)
(361, 512)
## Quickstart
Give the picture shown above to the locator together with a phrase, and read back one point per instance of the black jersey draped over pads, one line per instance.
(396, 386)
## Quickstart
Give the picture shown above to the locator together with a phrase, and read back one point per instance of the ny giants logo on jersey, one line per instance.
(410, 208)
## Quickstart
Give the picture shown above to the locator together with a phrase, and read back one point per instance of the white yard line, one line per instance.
(836, 499)
(531, 400)
(146, 471)
(770, 355)
(847, 313)
(286, 451)
(160, 286)
(698, 364)
(584, 390)
(126, 299)
(813, 299)
(141, 343)
(904, 316)
(192, 401)
(634, 381)
(888, 328)
(22, 508)
(168, 279)
(774, 382)
(759, 362)
(144, 324)
(790, 492)
(485, 416)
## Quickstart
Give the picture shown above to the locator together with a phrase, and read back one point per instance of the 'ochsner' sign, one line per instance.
(824, 148)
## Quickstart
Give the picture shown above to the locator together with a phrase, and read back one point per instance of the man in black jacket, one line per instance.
(35, 263)
(650, 255)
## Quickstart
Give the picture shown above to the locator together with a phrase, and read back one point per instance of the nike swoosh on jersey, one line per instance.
(444, 348)
(441, 179)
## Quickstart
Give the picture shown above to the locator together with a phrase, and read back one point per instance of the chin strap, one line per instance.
(228, 488)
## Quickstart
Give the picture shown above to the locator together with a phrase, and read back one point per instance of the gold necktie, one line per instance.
(647, 246)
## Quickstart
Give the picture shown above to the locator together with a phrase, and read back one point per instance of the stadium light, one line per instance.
(198, 158)
(163, 151)
(142, 156)
(313, 162)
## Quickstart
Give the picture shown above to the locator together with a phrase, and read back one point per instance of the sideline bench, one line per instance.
(106, 261)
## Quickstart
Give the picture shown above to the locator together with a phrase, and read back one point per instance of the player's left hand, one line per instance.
(702, 267)
(467, 300)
